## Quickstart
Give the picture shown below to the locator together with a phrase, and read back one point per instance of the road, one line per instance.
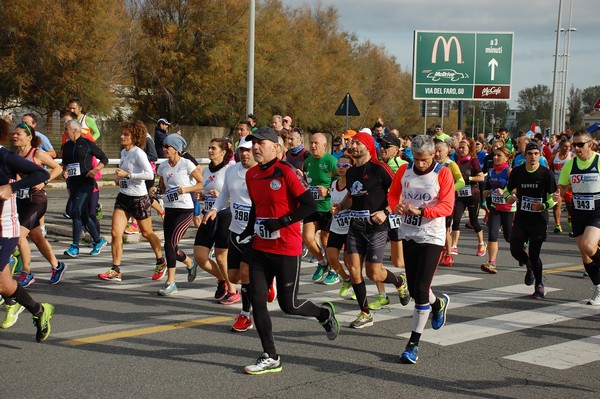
(123, 341)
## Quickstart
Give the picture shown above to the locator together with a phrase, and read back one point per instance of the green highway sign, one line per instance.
(462, 65)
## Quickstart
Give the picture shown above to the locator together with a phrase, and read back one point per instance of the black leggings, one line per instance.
(263, 267)
(472, 205)
(497, 219)
(420, 262)
(535, 235)
(176, 224)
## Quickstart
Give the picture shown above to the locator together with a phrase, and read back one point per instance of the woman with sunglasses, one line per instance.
(501, 214)
(133, 200)
(216, 231)
(340, 222)
(468, 196)
(178, 177)
(32, 204)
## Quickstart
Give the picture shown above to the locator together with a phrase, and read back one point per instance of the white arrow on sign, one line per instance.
(493, 64)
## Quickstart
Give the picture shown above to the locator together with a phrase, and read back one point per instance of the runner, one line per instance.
(216, 231)
(501, 214)
(580, 174)
(423, 193)
(558, 160)
(32, 204)
(368, 182)
(16, 296)
(279, 202)
(77, 158)
(133, 200)
(178, 177)
(534, 189)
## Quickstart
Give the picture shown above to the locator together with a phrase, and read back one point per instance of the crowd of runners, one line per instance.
(264, 200)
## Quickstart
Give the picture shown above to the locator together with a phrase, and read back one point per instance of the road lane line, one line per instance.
(145, 331)
(562, 356)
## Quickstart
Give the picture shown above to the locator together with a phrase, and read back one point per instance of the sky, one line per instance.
(391, 23)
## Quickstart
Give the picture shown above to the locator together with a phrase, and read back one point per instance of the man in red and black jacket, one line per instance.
(279, 202)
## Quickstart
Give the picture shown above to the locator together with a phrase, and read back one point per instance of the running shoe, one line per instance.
(403, 290)
(242, 323)
(469, 225)
(111, 275)
(569, 221)
(264, 364)
(410, 354)
(231, 298)
(58, 273)
(319, 274)
(221, 290)
(1, 301)
(539, 292)
(585, 274)
(331, 325)
(489, 267)
(304, 251)
(481, 249)
(448, 260)
(12, 315)
(529, 277)
(133, 229)
(595, 300)
(42, 322)
(346, 287)
(438, 319)
(160, 270)
(66, 215)
(44, 231)
(272, 294)
(168, 289)
(331, 278)
(363, 320)
(25, 279)
(99, 214)
(97, 247)
(454, 250)
(380, 301)
(557, 228)
(192, 271)
(72, 251)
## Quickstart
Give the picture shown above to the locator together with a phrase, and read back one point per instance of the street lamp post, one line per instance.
(554, 94)
(250, 78)
(566, 68)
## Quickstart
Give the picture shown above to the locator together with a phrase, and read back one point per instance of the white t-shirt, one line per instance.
(340, 222)
(235, 189)
(175, 177)
(212, 181)
(135, 162)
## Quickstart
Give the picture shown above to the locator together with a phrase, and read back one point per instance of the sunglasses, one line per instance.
(166, 146)
(581, 144)
(337, 144)
(343, 165)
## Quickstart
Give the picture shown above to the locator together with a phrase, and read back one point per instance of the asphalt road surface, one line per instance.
(124, 341)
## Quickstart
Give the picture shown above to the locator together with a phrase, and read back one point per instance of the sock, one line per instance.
(414, 338)
(420, 317)
(391, 278)
(323, 314)
(596, 257)
(22, 296)
(116, 268)
(361, 296)
(436, 305)
(323, 262)
(432, 297)
(246, 303)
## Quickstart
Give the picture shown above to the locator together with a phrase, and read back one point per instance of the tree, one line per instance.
(534, 103)
(589, 96)
(574, 103)
(52, 50)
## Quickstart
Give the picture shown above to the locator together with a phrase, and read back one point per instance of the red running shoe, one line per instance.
(272, 292)
(242, 323)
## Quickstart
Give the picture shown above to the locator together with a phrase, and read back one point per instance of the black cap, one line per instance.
(532, 146)
(390, 139)
(265, 133)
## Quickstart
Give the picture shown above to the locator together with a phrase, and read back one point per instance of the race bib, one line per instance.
(23, 193)
(584, 202)
(342, 219)
(315, 193)
(123, 183)
(465, 192)
(394, 220)
(364, 215)
(498, 199)
(73, 169)
(171, 195)
(241, 212)
(209, 201)
(527, 203)
(412, 220)
(262, 232)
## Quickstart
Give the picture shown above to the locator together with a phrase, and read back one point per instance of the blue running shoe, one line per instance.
(98, 246)
(73, 251)
(410, 354)
(58, 273)
(25, 279)
(438, 319)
